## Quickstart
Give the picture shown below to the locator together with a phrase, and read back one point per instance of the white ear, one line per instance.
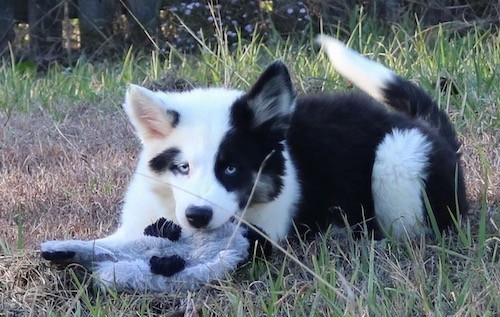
(148, 113)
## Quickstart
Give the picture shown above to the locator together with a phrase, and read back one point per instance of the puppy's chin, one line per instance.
(187, 232)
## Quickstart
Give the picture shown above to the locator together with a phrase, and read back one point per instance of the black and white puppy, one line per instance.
(285, 162)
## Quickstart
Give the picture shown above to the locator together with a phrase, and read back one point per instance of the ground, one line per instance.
(66, 180)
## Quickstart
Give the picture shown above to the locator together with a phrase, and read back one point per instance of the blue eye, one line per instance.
(230, 170)
(183, 168)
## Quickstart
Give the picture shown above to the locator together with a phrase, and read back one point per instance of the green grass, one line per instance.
(470, 61)
(454, 274)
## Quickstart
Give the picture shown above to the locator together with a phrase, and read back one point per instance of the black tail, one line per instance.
(402, 95)
(384, 85)
(445, 185)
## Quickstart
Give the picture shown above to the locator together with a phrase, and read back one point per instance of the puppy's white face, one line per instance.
(208, 145)
(181, 133)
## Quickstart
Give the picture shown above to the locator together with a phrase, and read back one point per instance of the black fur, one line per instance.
(259, 245)
(164, 228)
(165, 160)
(440, 184)
(332, 141)
(175, 117)
(404, 96)
(242, 147)
(335, 157)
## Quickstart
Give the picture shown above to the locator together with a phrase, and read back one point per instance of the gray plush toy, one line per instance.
(161, 260)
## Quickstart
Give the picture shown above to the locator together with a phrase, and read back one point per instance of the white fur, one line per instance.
(147, 199)
(401, 157)
(368, 75)
(398, 174)
(123, 261)
(204, 122)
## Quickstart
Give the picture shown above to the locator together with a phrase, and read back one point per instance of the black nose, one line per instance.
(199, 216)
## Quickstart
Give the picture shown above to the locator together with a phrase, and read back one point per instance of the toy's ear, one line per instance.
(149, 114)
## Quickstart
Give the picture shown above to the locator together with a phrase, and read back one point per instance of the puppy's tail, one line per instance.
(385, 86)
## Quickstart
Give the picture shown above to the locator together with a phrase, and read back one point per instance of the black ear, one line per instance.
(272, 98)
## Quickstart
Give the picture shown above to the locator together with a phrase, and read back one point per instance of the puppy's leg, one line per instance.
(399, 172)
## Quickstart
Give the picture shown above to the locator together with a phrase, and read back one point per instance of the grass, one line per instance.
(67, 153)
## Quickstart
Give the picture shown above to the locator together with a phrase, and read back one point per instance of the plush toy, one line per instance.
(161, 260)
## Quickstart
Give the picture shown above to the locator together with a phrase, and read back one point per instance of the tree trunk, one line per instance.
(143, 19)
(96, 23)
(45, 20)
(6, 25)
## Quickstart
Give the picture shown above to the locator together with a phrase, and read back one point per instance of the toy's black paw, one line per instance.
(164, 228)
(258, 242)
(167, 265)
(58, 257)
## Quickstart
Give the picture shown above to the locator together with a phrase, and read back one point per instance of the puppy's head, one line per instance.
(209, 145)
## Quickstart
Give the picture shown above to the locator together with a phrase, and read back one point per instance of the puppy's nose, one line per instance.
(199, 216)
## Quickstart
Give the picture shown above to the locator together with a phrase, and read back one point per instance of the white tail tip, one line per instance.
(368, 75)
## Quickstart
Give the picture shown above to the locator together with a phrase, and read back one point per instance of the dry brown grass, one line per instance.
(64, 179)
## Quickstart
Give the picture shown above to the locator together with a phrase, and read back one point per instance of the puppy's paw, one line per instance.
(167, 265)
(164, 228)
(259, 245)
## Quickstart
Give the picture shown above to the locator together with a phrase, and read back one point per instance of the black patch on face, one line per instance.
(165, 160)
(175, 117)
(246, 147)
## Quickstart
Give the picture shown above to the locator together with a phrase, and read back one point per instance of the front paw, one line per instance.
(164, 228)
(167, 265)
